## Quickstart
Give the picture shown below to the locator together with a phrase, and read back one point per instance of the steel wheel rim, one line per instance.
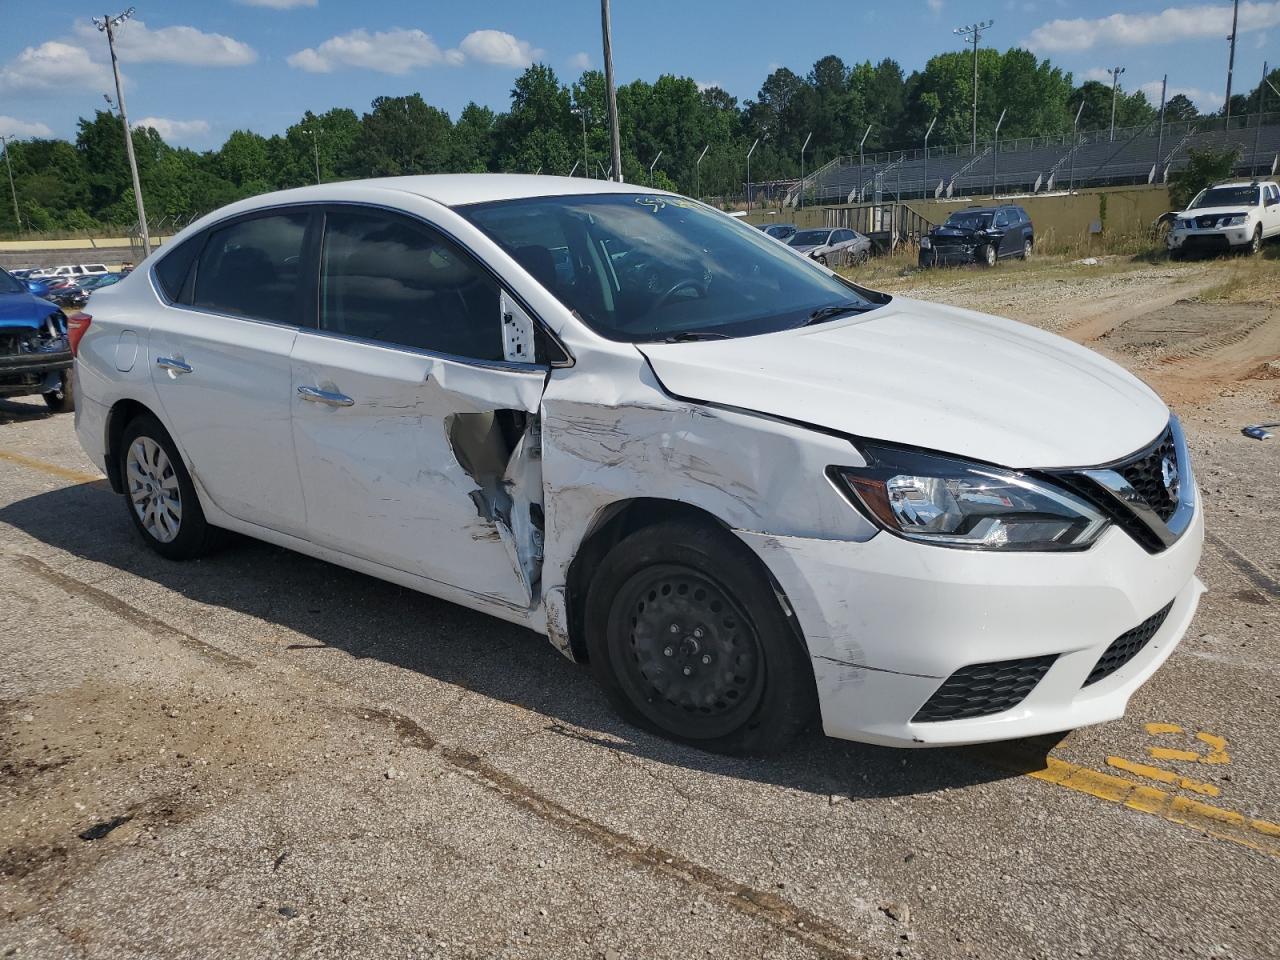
(154, 489)
(702, 679)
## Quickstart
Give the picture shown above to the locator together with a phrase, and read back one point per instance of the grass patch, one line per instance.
(1247, 279)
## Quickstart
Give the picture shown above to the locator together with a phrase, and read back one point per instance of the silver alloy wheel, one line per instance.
(154, 490)
(1026, 249)
(989, 255)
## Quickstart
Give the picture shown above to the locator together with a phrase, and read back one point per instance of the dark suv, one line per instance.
(979, 235)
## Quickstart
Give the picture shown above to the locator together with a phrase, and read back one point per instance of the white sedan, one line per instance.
(749, 492)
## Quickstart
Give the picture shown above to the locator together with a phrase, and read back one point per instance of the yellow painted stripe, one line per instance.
(65, 473)
(1260, 835)
(1163, 776)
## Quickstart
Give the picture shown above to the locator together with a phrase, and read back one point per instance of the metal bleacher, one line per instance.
(1033, 165)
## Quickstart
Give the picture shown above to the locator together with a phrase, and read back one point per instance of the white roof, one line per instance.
(457, 189)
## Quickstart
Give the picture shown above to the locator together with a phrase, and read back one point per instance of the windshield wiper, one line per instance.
(823, 314)
(688, 336)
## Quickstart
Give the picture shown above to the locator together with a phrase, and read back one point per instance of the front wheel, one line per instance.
(822, 260)
(861, 257)
(63, 399)
(989, 255)
(159, 494)
(1255, 245)
(687, 637)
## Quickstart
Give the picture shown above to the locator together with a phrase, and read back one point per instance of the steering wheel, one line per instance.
(701, 284)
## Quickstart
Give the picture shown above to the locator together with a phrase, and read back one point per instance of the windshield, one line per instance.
(9, 284)
(641, 268)
(1226, 197)
(810, 238)
(969, 221)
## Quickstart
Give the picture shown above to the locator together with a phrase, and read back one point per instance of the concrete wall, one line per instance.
(1058, 217)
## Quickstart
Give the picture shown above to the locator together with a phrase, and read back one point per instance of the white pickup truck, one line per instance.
(1237, 215)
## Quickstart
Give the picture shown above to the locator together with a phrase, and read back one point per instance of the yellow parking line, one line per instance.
(65, 473)
(1163, 776)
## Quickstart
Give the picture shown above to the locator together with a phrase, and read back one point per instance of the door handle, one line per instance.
(173, 365)
(316, 395)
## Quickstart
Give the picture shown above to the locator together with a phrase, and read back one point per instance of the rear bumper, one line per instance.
(887, 622)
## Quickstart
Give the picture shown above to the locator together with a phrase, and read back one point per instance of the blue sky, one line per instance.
(198, 69)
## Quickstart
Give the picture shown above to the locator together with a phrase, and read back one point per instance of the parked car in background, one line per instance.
(1234, 216)
(747, 491)
(979, 235)
(831, 248)
(35, 353)
(779, 231)
(72, 270)
(41, 288)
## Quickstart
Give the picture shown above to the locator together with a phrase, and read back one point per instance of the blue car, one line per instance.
(35, 353)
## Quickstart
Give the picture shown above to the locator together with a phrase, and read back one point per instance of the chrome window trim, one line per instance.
(471, 361)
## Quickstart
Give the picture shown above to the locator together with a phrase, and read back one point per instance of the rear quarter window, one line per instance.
(171, 272)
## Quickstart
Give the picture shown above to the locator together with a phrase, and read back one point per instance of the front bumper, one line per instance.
(948, 255)
(887, 621)
(1210, 240)
(35, 372)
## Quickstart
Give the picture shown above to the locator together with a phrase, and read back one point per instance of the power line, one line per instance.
(107, 25)
(973, 34)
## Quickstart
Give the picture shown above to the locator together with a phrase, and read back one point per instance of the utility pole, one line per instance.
(995, 154)
(861, 159)
(925, 177)
(315, 145)
(1115, 86)
(652, 165)
(1257, 132)
(614, 138)
(1075, 142)
(586, 164)
(749, 153)
(803, 146)
(972, 34)
(107, 25)
(1164, 90)
(1231, 60)
(14, 190)
(697, 172)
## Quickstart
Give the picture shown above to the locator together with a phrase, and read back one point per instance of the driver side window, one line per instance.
(391, 280)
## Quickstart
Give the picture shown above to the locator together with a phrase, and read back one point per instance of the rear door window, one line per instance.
(252, 268)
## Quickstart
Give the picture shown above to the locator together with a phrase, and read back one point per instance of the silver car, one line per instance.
(832, 248)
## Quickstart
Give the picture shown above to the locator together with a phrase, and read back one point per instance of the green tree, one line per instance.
(402, 135)
(1204, 168)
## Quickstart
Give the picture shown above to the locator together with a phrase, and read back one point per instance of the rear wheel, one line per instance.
(63, 400)
(159, 494)
(1026, 249)
(688, 639)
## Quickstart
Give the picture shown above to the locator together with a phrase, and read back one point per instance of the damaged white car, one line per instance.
(748, 492)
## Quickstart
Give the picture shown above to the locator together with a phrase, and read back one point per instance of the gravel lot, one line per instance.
(260, 754)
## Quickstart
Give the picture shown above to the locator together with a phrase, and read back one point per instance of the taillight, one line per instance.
(77, 324)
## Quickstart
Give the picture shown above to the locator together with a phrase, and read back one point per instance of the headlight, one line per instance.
(954, 503)
(1238, 220)
(1184, 224)
(925, 243)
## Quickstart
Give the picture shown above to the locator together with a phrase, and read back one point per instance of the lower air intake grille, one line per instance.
(982, 689)
(1127, 646)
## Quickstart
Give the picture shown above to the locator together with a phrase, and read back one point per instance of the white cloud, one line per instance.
(1144, 29)
(175, 131)
(580, 61)
(497, 47)
(393, 51)
(278, 4)
(935, 6)
(12, 127)
(1206, 101)
(54, 67)
(1100, 74)
(137, 43)
(707, 84)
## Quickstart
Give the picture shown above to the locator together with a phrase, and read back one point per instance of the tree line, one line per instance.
(550, 126)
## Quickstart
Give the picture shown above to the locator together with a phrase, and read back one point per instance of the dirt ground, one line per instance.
(263, 755)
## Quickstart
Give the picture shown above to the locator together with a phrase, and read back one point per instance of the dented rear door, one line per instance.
(422, 461)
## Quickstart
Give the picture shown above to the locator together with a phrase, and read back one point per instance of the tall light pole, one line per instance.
(315, 146)
(14, 190)
(749, 153)
(1164, 90)
(1231, 61)
(803, 146)
(1075, 142)
(615, 140)
(862, 143)
(652, 165)
(995, 154)
(107, 25)
(925, 178)
(1115, 87)
(972, 34)
(1257, 132)
(697, 172)
(586, 164)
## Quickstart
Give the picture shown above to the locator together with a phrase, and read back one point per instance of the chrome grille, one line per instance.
(1145, 474)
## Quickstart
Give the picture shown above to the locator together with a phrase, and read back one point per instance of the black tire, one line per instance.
(1176, 253)
(861, 257)
(192, 536)
(822, 259)
(735, 662)
(63, 400)
(988, 255)
(1255, 245)
(1026, 250)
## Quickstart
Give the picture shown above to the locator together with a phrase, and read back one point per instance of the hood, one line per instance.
(806, 247)
(929, 376)
(1239, 210)
(949, 230)
(23, 311)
